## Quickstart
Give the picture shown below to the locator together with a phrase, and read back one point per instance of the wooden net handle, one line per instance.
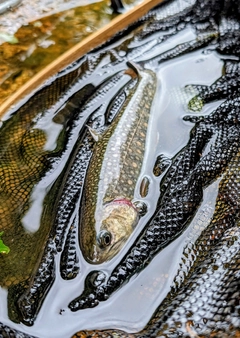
(93, 40)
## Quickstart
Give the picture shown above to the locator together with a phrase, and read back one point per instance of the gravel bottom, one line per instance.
(18, 13)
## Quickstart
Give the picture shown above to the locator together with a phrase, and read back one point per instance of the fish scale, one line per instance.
(137, 142)
(77, 171)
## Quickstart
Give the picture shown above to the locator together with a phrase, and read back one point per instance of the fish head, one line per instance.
(118, 221)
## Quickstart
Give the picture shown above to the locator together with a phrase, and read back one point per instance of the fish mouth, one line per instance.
(117, 245)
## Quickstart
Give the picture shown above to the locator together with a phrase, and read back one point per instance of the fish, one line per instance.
(210, 262)
(68, 189)
(108, 214)
(190, 310)
(188, 164)
(214, 142)
(182, 186)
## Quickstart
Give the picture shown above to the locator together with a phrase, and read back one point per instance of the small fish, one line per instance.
(108, 214)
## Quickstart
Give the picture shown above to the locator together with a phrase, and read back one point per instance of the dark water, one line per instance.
(132, 306)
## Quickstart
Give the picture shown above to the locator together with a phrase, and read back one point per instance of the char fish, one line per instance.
(108, 214)
(191, 170)
(182, 187)
(67, 201)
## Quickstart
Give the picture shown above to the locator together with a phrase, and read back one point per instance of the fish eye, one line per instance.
(104, 238)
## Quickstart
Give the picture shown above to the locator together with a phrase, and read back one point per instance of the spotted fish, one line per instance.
(108, 213)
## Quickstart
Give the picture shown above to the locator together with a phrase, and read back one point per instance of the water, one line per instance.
(41, 32)
(132, 306)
